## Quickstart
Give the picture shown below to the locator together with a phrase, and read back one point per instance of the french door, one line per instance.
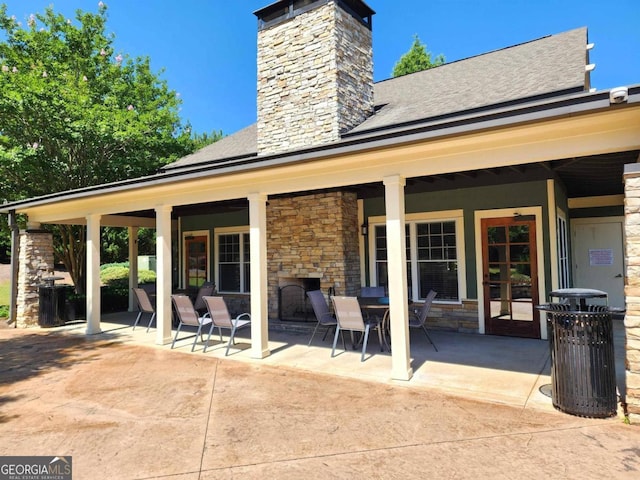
(196, 261)
(510, 276)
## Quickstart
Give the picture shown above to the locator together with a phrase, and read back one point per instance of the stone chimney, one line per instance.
(315, 72)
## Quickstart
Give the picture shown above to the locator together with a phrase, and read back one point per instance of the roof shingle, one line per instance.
(552, 65)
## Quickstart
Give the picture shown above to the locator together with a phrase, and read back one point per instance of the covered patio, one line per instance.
(502, 370)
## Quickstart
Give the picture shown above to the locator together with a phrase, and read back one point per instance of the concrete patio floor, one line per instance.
(126, 408)
(503, 370)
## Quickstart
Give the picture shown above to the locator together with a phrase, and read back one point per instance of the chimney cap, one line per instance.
(282, 10)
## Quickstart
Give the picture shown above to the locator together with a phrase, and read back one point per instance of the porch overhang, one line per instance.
(583, 125)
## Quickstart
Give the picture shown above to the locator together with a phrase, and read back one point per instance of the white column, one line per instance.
(93, 274)
(259, 305)
(133, 265)
(397, 265)
(163, 274)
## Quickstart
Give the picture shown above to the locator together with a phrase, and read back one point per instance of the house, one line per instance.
(493, 180)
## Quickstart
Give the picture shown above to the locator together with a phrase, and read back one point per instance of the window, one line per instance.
(234, 267)
(432, 258)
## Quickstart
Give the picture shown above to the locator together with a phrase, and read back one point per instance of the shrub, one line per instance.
(115, 292)
(110, 265)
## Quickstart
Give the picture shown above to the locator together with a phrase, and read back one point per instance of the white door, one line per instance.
(598, 256)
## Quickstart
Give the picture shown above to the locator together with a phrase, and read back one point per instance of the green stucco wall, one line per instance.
(469, 200)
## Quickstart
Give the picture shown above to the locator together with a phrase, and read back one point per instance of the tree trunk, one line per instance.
(72, 249)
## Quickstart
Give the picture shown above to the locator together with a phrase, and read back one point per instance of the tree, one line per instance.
(76, 113)
(201, 140)
(416, 59)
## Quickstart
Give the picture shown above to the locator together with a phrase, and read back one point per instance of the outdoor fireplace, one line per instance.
(293, 304)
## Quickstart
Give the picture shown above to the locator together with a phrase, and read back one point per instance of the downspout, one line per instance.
(15, 243)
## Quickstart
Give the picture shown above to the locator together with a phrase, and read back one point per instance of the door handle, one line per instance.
(618, 276)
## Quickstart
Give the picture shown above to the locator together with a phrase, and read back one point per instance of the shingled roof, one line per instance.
(549, 66)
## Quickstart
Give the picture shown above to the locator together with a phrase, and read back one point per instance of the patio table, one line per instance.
(378, 308)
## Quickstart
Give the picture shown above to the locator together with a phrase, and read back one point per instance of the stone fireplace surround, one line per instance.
(316, 237)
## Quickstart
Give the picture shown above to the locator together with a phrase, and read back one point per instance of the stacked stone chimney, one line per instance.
(315, 72)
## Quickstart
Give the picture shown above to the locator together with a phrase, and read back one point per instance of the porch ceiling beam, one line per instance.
(471, 175)
(600, 201)
(567, 163)
(546, 165)
(114, 221)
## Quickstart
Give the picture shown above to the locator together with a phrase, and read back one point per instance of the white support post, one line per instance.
(163, 274)
(93, 274)
(259, 298)
(397, 265)
(133, 265)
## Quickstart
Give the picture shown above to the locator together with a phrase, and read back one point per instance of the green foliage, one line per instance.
(109, 266)
(416, 59)
(115, 243)
(116, 273)
(115, 278)
(5, 291)
(113, 274)
(76, 113)
(201, 140)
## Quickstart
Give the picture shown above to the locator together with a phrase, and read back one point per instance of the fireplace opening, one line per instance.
(293, 304)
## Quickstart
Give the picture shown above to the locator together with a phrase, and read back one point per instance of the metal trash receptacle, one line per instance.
(583, 378)
(51, 299)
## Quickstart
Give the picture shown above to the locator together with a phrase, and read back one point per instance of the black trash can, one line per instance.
(52, 303)
(583, 375)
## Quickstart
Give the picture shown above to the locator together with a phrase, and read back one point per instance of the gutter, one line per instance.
(578, 104)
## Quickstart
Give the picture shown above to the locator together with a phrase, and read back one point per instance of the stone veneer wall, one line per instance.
(454, 317)
(36, 261)
(632, 289)
(314, 236)
(315, 79)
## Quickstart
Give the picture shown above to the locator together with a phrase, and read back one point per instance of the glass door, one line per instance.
(196, 261)
(510, 280)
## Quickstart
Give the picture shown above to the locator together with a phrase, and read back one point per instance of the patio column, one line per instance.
(163, 274)
(93, 274)
(133, 265)
(259, 305)
(397, 265)
(632, 289)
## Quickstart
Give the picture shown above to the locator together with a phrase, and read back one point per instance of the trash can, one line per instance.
(52, 303)
(583, 377)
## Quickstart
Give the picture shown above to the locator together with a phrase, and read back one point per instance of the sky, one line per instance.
(206, 49)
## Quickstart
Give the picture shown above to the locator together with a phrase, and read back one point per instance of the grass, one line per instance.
(5, 291)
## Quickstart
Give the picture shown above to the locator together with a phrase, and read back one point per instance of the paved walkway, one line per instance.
(127, 410)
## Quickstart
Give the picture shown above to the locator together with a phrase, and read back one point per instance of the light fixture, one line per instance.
(364, 229)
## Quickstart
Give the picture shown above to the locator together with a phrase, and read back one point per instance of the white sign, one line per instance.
(600, 256)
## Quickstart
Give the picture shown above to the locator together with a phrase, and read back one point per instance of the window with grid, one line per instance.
(432, 259)
(233, 260)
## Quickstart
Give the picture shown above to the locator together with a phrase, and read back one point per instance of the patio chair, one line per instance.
(206, 289)
(372, 292)
(322, 313)
(219, 314)
(349, 317)
(188, 316)
(419, 319)
(144, 305)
